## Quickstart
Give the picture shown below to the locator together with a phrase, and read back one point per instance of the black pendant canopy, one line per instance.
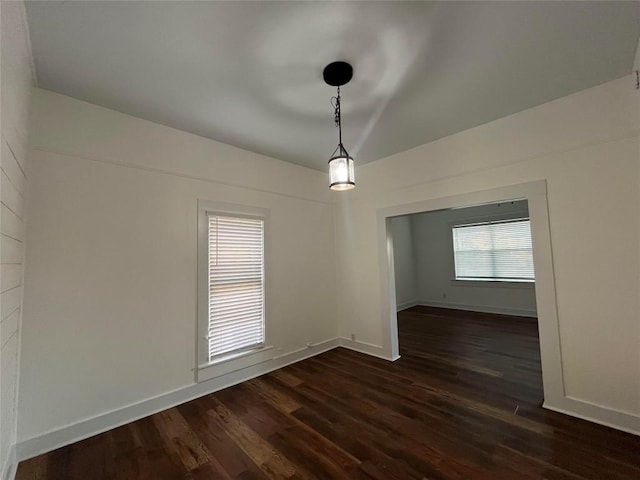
(337, 73)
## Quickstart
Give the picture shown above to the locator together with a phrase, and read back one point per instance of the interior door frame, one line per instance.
(536, 195)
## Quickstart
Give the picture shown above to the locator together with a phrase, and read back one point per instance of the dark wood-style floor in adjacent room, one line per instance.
(463, 402)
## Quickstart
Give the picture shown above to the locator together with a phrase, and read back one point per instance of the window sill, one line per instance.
(493, 284)
(234, 362)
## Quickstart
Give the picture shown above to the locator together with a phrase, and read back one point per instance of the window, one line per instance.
(494, 251)
(232, 330)
(236, 284)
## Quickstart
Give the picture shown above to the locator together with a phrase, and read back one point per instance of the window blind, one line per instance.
(494, 251)
(236, 284)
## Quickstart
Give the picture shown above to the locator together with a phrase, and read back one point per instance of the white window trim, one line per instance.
(206, 370)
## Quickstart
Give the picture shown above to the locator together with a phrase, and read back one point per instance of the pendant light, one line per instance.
(341, 171)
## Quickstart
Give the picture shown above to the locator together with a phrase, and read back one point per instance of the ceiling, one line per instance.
(250, 73)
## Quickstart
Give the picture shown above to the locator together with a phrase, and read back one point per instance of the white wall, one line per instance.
(586, 147)
(433, 247)
(16, 83)
(404, 261)
(110, 281)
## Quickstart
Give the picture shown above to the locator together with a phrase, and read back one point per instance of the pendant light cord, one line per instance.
(338, 123)
(337, 118)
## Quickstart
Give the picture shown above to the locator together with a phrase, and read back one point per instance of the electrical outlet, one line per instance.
(353, 337)
(444, 295)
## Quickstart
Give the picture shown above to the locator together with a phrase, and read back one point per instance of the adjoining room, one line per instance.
(465, 294)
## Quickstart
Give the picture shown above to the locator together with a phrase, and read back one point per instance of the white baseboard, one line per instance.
(591, 412)
(57, 438)
(405, 305)
(367, 348)
(51, 440)
(11, 466)
(475, 308)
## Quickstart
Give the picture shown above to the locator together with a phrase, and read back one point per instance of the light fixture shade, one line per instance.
(341, 173)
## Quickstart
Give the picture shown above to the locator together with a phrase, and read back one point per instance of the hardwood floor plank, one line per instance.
(286, 378)
(268, 421)
(360, 445)
(122, 452)
(228, 455)
(272, 463)
(155, 462)
(180, 439)
(272, 395)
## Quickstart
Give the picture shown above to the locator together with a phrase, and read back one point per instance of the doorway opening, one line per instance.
(465, 297)
(534, 196)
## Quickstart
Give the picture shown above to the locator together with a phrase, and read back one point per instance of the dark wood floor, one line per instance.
(463, 402)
